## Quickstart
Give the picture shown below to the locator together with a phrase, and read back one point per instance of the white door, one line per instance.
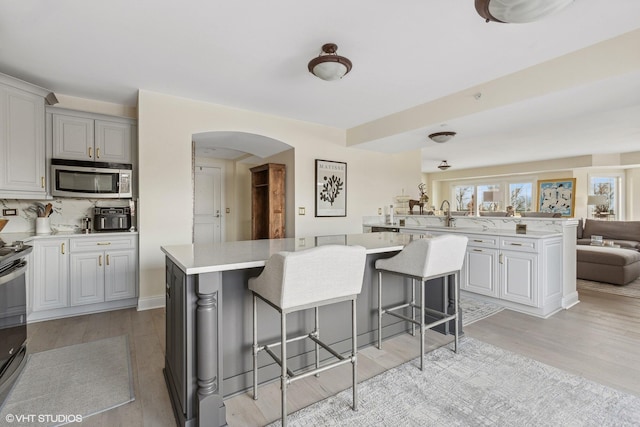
(207, 216)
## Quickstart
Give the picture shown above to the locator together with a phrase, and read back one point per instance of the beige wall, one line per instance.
(166, 125)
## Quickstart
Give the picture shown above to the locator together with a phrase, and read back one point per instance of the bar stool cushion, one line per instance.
(303, 278)
(428, 257)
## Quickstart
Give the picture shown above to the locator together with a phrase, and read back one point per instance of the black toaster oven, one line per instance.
(111, 219)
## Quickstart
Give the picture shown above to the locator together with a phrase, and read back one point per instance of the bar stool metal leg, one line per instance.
(445, 301)
(413, 307)
(354, 351)
(379, 310)
(456, 307)
(317, 332)
(422, 322)
(255, 347)
(283, 375)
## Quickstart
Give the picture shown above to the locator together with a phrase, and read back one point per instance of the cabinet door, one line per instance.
(518, 275)
(73, 137)
(87, 278)
(22, 144)
(113, 141)
(51, 274)
(120, 275)
(480, 271)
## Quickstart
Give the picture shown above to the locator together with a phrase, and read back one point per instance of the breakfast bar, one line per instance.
(209, 317)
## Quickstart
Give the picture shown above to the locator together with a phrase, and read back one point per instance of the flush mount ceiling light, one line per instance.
(441, 137)
(329, 65)
(518, 11)
(444, 165)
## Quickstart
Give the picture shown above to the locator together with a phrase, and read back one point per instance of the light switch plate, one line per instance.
(301, 210)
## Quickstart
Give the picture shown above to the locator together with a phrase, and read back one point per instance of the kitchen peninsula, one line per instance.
(533, 272)
(209, 317)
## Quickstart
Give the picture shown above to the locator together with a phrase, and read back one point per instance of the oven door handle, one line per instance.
(13, 273)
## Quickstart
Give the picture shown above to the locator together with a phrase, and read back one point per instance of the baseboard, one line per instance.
(570, 300)
(149, 303)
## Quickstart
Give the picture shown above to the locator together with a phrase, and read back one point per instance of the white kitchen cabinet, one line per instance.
(103, 269)
(85, 136)
(518, 277)
(87, 278)
(22, 140)
(83, 274)
(479, 273)
(120, 275)
(50, 283)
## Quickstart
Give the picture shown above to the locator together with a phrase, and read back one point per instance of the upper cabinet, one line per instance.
(92, 137)
(23, 172)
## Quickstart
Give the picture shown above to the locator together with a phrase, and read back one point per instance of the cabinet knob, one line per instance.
(98, 153)
(100, 260)
(42, 181)
(90, 149)
(62, 249)
(107, 259)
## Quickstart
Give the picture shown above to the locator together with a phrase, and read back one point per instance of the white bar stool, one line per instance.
(294, 281)
(425, 259)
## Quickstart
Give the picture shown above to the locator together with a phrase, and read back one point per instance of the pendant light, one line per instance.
(444, 165)
(518, 11)
(329, 65)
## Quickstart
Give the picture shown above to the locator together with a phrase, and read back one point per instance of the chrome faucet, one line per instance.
(448, 221)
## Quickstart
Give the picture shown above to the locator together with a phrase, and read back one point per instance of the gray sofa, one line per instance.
(626, 234)
(618, 266)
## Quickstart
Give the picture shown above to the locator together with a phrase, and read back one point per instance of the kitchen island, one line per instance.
(209, 317)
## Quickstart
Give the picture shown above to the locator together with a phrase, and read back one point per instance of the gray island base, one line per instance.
(209, 317)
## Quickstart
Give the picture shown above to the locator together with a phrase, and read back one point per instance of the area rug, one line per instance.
(481, 385)
(474, 310)
(631, 290)
(68, 384)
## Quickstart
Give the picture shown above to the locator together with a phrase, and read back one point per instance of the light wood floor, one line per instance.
(598, 339)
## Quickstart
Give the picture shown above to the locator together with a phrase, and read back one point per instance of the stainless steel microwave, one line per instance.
(94, 180)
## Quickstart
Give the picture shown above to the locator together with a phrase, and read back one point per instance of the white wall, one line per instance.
(166, 125)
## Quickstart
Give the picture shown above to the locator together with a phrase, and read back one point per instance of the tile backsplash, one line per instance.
(66, 216)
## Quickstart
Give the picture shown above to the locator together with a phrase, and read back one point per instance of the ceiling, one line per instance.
(253, 55)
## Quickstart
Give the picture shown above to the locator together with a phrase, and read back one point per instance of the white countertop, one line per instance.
(537, 234)
(196, 259)
(28, 236)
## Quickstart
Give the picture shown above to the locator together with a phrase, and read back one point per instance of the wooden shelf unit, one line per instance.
(268, 201)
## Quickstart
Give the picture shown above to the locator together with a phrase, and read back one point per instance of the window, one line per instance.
(464, 197)
(521, 196)
(610, 188)
(494, 196)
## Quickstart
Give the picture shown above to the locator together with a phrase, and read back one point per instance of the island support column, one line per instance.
(211, 410)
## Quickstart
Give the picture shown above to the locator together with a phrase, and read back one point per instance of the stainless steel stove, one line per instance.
(13, 313)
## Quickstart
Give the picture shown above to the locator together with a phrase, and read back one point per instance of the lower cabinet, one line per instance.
(522, 273)
(50, 274)
(102, 276)
(83, 274)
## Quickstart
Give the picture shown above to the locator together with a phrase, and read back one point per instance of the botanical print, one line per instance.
(331, 188)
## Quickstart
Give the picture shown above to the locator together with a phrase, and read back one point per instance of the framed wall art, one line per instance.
(557, 196)
(331, 188)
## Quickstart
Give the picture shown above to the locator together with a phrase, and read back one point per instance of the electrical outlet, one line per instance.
(379, 211)
(9, 212)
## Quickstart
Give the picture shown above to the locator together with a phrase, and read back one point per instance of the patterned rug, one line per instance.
(474, 310)
(631, 290)
(481, 385)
